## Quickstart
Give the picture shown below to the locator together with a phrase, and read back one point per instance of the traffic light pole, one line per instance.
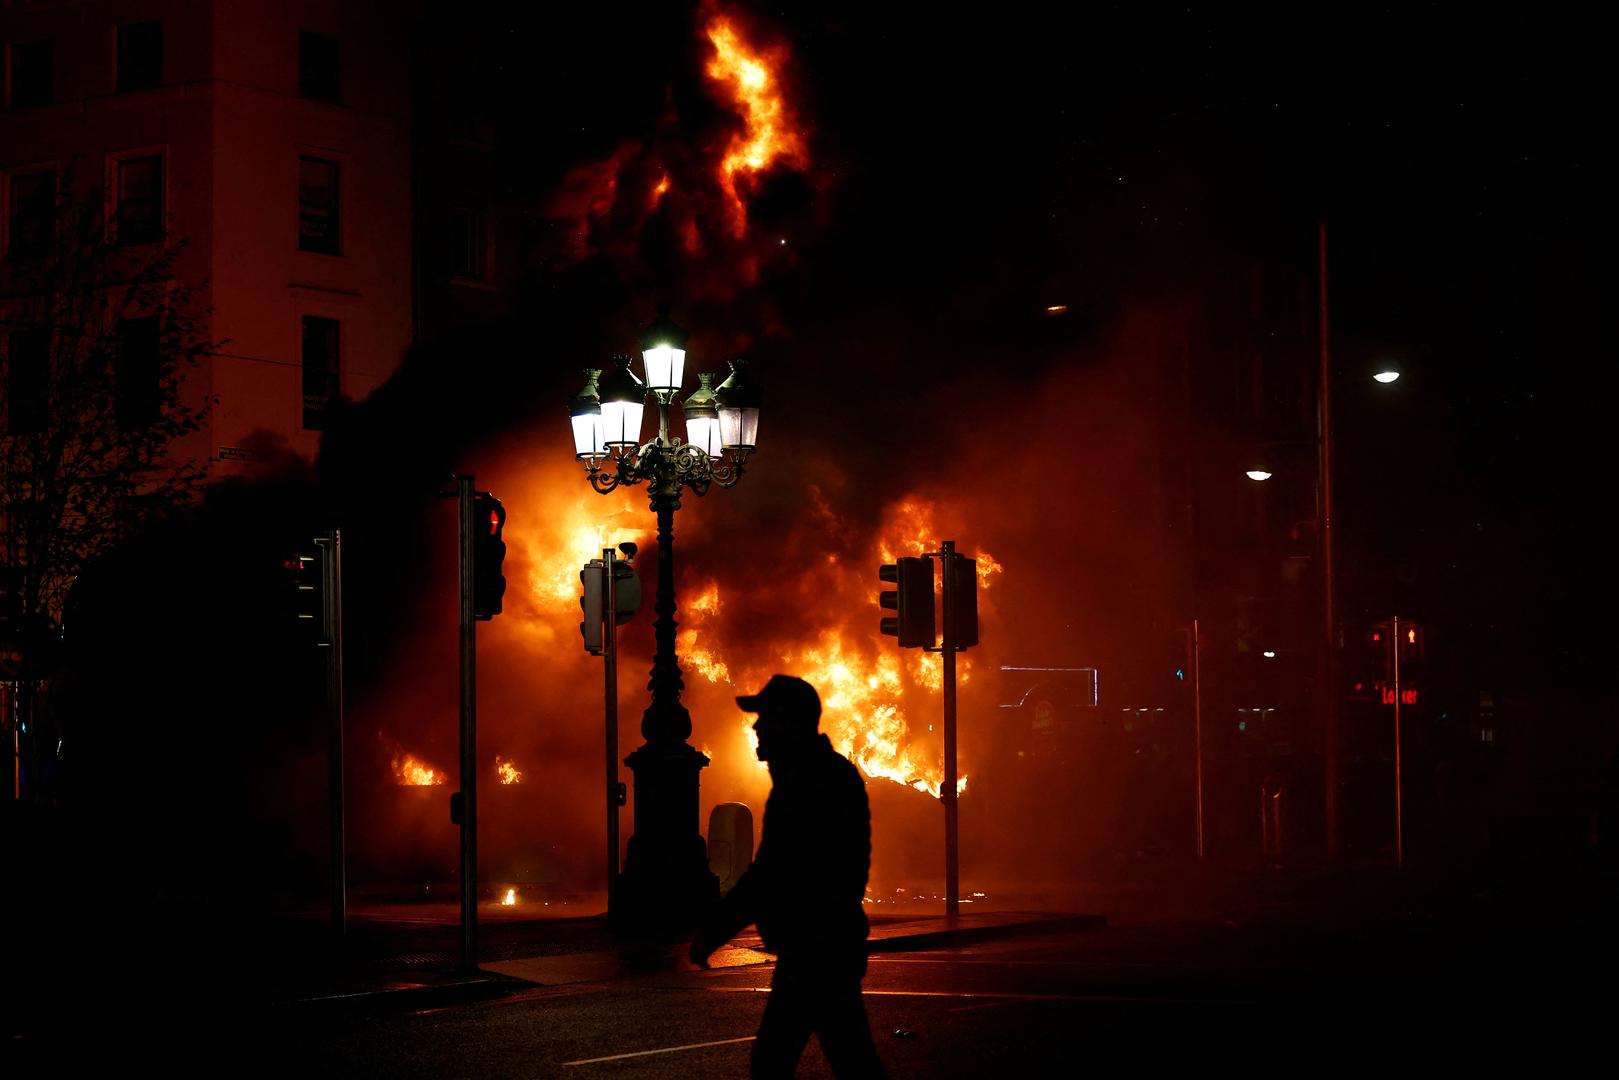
(1399, 822)
(469, 740)
(610, 695)
(1327, 674)
(947, 794)
(1197, 726)
(332, 597)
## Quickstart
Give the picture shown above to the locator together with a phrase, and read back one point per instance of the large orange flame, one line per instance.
(508, 771)
(410, 772)
(869, 687)
(749, 76)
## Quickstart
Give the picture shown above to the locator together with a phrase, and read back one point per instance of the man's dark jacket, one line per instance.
(806, 886)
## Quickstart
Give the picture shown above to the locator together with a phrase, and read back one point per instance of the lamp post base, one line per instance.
(666, 884)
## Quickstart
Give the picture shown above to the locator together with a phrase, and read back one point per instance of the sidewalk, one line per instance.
(407, 956)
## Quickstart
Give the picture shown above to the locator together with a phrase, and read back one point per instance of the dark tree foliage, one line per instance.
(98, 341)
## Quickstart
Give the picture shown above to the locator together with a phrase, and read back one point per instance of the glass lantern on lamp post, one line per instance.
(666, 881)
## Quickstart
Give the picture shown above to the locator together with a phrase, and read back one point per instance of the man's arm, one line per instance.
(739, 907)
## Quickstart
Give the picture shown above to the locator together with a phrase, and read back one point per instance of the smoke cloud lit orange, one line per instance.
(691, 192)
(769, 135)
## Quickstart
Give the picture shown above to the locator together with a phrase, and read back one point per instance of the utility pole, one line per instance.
(468, 816)
(1399, 822)
(1328, 669)
(331, 546)
(610, 695)
(952, 878)
(1197, 726)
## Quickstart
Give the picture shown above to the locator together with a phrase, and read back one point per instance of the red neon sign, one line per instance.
(1407, 697)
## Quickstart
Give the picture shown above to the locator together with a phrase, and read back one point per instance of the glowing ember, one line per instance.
(508, 771)
(767, 135)
(410, 772)
(510, 899)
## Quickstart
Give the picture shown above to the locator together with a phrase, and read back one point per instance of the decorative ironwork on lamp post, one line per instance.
(666, 880)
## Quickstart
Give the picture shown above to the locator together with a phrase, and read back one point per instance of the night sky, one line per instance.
(968, 170)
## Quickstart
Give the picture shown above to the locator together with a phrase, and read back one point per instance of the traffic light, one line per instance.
(626, 585)
(912, 601)
(1380, 651)
(488, 553)
(592, 602)
(1412, 638)
(593, 597)
(963, 601)
(1411, 642)
(305, 578)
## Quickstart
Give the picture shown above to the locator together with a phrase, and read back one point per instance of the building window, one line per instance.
(321, 370)
(33, 74)
(138, 210)
(140, 55)
(468, 240)
(31, 214)
(318, 73)
(139, 373)
(318, 206)
(28, 376)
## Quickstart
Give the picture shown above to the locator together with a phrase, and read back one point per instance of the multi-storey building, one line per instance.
(274, 141)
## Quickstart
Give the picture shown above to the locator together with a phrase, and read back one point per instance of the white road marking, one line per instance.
(1017, 963)
(663, 1050)
(1005, 997)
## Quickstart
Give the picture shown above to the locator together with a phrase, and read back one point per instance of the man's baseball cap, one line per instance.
(788, 695)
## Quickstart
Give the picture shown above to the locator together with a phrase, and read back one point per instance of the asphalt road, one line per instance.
(1267, 997)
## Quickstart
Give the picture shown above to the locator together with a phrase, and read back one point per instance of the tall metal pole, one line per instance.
(332, 591)
(947, 794)
(469, 740)
(1329, 657)
(1197, 725)
(610, 668)
(1399, 821)
(666, 880)
(666, 719)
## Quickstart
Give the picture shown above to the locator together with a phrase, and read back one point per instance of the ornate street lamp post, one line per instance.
(666, 880)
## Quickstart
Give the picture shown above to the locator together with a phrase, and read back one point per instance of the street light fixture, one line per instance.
(739, 411)
(703, 417)
(1387, 375)
(1258, 474)
(623, 400)
(663, 352)
(586, 415)
(666, 880)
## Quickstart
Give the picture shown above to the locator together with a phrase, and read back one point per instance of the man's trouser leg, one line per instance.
(785, 1029)
(844, 1029)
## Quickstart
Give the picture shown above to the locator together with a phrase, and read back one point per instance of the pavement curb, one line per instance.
(972, 935)
(480, 987)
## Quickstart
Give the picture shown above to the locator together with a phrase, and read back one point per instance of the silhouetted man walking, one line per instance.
(805, 890)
